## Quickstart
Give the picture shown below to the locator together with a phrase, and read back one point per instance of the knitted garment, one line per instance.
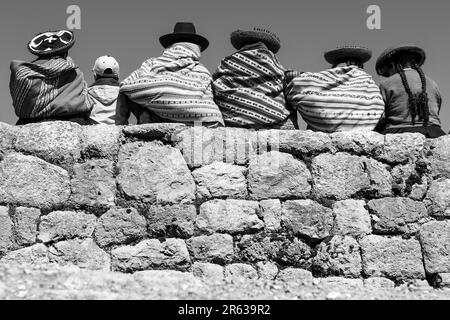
(174, 86)
(339, 99)
(48, 88)
(249, 88)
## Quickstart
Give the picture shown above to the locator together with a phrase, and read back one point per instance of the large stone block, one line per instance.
(6, 231)
(238, 271)
(339, 256)
(351, 218)
(307, 218)
(220, 180)
(32, 182)
(267, 270)
(153, 131)
(278, 175)
(26, 222)
(438, 198)
(271, 214)
(297, 142)
(217, 248)
(120, 226)
(229, 216)
(393, 258)
(208, 271)
(357, 142)
(152, 255)
(66, 225)
(397, 215)
(101, 141)
(34, 255)
(7, 137)
(56, 142)
(296, 276)
(439, 157)
(435, 240)
(401, 148)
(155, 174)
(175, 221)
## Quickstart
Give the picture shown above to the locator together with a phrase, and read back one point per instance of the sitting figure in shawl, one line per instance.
(412, 99)
(105, 90)
(175, 87)
(249, 84)
(343, 98)
(52, 87)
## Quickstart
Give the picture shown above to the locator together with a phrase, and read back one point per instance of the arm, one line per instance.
(122, 110)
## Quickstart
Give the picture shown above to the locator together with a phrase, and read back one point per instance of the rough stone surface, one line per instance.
(56, 142)
(240, 271)
(175, 221)
(93, 184)
(101, 141)
(278, 175)
(267, 270)
(438, 198)
(293, 275)
(409, 180)
(271, 214)
(208, 271)
(153, 131)
(152, 254)
(34, 255)
(397, 215)
(7, 137)
(32, 182)
(229, 216)
(155, 174)
(357, 142)
(120, 226)
(217, 248)
(300, 142)
(307, 218)
(393, 258)
(443, 280)
(440, 157)
(351, 218)
(435, 240)
(338, 257)
(82, 253)
(377, 282)
(25, 225)
(220, 180)
(401, 148)
(66, 225)
(6, 231)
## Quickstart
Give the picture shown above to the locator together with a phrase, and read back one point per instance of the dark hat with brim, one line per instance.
(184, 32)
(390, 54)
(51, 43)
(346, 53)
(240, 38)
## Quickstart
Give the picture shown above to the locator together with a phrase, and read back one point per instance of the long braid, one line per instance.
(424, 110)
(412, 99)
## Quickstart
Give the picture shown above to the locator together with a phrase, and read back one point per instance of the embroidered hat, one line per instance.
(184, 32)
(341, 54)
(106, 66)
(240, 38)
(51, 43)
(391, 53)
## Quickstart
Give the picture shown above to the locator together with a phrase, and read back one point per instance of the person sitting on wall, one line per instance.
(343, 98)
(175, 87)
(249, 84)
(105, 90)
(412, 99)
(52, 87)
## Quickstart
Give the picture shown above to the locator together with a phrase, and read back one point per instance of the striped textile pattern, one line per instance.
(339, 99)
(174, 86)
(249, 88)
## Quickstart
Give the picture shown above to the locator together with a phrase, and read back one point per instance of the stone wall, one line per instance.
(226, 202)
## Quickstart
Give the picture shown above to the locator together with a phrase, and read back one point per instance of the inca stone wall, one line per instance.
(226, 202)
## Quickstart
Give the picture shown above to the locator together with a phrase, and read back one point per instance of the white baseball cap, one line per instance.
(108, 64)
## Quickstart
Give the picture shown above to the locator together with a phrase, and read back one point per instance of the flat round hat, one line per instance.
(392, 52)
(241, 38)
(341, 54)
(184, 32)
(51, 43)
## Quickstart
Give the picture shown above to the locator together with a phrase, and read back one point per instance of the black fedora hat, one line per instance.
(241, 38)
(389, 54)
(341, 54)
(51, 43)
(184, 32)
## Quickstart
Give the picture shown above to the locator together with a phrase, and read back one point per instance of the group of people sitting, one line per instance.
(250, 88)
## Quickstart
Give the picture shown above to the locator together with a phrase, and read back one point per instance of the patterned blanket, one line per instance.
(174, 86)
(249, 88)
(339, 99)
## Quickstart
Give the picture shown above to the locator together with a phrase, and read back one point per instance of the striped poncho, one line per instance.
(249, 88)
(175, 86)
(339, 99)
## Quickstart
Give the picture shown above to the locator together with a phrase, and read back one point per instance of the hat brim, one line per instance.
(169, 39)
(241, 38)
(388, 55)
(48, 53)
(352, 53)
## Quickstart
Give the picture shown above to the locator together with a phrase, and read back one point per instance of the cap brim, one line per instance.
(169, 39)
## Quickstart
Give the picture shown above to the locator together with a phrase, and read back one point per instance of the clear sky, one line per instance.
(129, 30)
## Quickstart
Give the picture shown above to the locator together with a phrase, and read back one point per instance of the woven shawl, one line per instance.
(249, 88)
(339, 99)
(174, 86)
(53, 88)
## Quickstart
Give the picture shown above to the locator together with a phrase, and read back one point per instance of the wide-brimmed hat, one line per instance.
(51, 43)
(184, 32)
(391, 53)
(344, 53)
(240, 38)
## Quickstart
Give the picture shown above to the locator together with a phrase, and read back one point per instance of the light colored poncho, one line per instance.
(339, 99)
(174, 86)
